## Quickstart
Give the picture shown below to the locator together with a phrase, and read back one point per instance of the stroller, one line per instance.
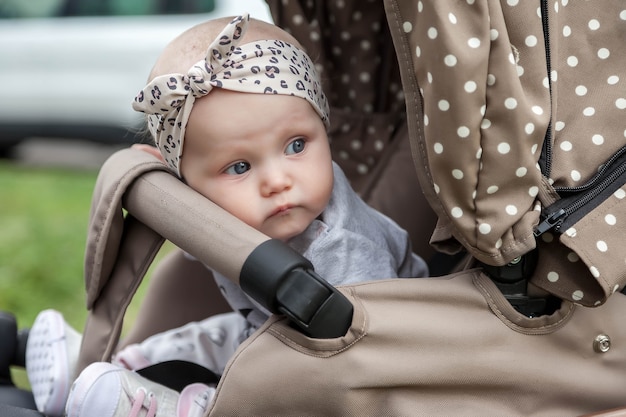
(522, 159)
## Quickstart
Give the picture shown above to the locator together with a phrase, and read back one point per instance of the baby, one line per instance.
(243, 122)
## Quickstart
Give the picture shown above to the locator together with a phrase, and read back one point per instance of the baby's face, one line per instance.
(264, 158)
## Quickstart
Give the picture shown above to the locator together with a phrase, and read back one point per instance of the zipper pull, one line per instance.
(550, 222)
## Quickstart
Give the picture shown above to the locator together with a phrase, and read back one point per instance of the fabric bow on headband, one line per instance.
(261, 67)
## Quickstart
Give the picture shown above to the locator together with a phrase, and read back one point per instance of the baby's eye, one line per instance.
(237, 168)
(295, 146)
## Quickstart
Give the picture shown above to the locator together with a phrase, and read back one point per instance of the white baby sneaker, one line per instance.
(106, 390)
(51, 354)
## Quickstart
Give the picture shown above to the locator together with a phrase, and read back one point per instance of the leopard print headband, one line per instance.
(262, 67)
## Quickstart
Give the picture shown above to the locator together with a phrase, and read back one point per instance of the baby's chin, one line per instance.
(287, 234)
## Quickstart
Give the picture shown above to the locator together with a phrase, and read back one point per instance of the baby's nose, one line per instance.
(275, 181)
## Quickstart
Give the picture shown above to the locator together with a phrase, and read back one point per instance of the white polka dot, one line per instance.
(463, 131)
(470, 86)
(457, 173)
(493, 34)
(547, 237)
(619, 194)
(498, 244)
(572, 61)
(366, 45)
(531, 40)
(581, 90)
(297, 19)
(438, 147)
(577, 295)
(407, 27)
(566, 146)
(512, 2)
(622, 15)
(479, 153)
(432, 33)
(456, 212)
(429, 76)
(452, 18)
(594, 24)
(364, 77)
(575, 174)
(436, 188)
(559, 126)
(537, 110)
(511, 210)
(567, 31)
(612, 80)
(571, 232)
(589, 111)
(603, 53)
(620, 103)
(597, 139)
(533, 191)
(512, 59)
(418, 51)
(553, 276)
(450, 60)
(610, 219)
(573, 257)
(521, 171)
(529, 128)
(594, 271)
(491, 79)
(444, 105)
(492, 189)
(473, 43)
(554, 75)
(602, 246)
(484, 228)
(510, 103)
(504, 148)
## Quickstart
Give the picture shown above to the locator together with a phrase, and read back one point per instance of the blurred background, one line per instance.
(69, 71)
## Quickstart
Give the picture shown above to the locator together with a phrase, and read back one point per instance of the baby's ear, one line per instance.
(149, 149)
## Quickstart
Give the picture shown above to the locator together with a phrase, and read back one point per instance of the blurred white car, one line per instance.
(70, 68)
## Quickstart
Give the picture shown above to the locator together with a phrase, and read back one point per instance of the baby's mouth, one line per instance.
(282, 209)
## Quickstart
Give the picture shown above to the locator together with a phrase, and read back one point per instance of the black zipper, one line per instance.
(545, 159)
(576, 202)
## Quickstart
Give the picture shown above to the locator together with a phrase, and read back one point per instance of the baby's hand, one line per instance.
(150, 149)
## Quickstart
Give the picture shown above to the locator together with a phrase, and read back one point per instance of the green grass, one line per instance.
(43, 224)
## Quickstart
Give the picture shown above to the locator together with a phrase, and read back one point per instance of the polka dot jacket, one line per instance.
(515, 110)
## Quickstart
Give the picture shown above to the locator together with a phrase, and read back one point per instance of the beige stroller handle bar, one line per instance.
(192, 222)
(268, 270)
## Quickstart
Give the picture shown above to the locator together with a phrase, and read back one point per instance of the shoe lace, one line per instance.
(138, 404)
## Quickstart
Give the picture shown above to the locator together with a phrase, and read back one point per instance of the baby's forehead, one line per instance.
(191, 46)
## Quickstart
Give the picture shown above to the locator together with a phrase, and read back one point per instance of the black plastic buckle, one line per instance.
(284, 282)
(512, 280)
